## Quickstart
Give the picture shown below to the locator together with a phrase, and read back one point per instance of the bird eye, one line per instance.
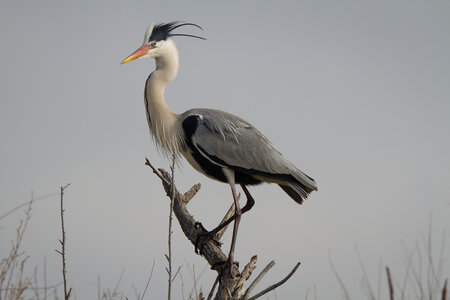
(154, 44)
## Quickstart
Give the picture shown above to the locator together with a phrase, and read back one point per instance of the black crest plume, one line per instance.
(162, 31)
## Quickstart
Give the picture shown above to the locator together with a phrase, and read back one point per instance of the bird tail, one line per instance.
(300, 188)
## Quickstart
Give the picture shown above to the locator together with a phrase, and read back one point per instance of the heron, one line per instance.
(218, 144)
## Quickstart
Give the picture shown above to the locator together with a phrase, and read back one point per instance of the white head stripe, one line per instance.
(148, 33)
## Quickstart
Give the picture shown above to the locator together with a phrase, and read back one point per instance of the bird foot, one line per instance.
(226, 267)
(203, 238)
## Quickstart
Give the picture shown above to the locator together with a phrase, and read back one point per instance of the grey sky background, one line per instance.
(355, 93)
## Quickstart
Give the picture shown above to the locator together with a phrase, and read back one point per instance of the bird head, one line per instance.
(157, 40)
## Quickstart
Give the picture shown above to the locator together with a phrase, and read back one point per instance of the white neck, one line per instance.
(161, 120)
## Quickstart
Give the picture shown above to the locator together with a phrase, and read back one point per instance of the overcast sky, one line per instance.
(355, 93)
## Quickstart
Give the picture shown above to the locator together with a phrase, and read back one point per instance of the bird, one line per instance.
(218, 144)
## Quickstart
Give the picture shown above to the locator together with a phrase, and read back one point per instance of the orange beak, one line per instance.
(137, 54)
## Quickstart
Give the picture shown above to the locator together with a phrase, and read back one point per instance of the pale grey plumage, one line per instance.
(218, 144)
(238, 144)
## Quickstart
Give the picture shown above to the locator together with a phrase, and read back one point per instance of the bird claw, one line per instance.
(204, 237)
(230, 267)
(225, 266)
(199, 225)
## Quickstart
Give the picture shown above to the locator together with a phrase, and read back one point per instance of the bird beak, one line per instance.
(137, 54)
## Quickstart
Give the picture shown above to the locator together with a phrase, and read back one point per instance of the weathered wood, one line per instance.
(231, 286)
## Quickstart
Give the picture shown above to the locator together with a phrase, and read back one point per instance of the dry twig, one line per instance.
(12, 283)
(339, 279)
(63, 244)
(274, 286)
(169, 258)
(444, 290)
(26, 203)
(148, 281)
(258, 279)
(391, 287)
(213, 288)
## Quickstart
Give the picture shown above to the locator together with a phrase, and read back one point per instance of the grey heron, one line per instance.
(220, 145)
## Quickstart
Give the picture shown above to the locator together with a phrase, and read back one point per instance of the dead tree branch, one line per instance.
(26, 204)
(258, 279)
(63, 244)
(230, 286)
(12, 266)
(169, 258)
(391, 287)
(274, 286)
(444, 290)
(148, 281)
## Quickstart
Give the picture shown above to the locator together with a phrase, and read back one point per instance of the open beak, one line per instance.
(137, 54)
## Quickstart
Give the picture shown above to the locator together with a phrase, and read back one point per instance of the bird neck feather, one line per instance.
(164, 128)
(167, 62)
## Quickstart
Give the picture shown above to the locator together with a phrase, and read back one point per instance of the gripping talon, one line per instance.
(225, 266)
(202, 238)
(199, 225)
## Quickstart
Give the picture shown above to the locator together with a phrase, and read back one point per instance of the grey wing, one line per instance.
(229, 141)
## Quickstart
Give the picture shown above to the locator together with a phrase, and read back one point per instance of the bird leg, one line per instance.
(203, 237)
(237, 219)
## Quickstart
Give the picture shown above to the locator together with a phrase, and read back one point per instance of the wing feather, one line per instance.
(228, 140)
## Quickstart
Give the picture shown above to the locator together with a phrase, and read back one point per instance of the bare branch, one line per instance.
(258, 279)
(195, 281)
(230, 286)
(191, 193)
(238, 288)
(211, 293)
(444, 290)
(148, 281)
(63, 244)
(147, 162)
(114, 293)
(13, 265)
(176, 273)
(391, 287)
(274, 286)
(45, 277)
(247, 272)
(365, 280)
(169, 258)
(211, 251)
(341, 283)
(27, 203)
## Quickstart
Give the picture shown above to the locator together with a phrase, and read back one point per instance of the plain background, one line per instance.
(355, 93)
